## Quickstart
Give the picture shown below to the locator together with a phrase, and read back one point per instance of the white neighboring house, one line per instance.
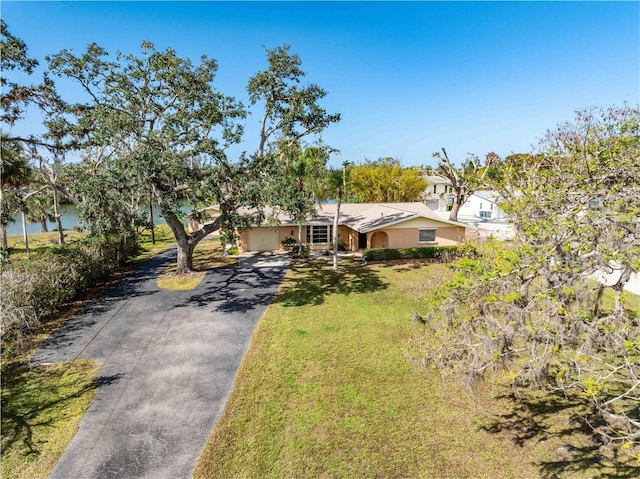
(482, 205)
(437, 195)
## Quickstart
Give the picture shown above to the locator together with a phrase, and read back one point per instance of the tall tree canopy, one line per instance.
(291, 110)
(164, 122)
(385, 181)
(155, 123)
(13, 56)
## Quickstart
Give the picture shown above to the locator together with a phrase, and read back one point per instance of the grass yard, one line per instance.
(328, 389)
(41, 410)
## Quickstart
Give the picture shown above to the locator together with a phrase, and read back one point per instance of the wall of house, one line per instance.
(409, 237)
(285, 232)
(243, 241)
(417, 223)
(404, 235)
(482, 207)
(345, 234)
(349, 237)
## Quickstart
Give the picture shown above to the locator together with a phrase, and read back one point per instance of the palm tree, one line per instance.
(40, 210)
(14, 173)
(336, 188)
(303, 176)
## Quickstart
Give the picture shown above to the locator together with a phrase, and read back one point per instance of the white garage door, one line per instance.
(263, 239)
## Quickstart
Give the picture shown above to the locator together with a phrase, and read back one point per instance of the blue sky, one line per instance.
(407, 77)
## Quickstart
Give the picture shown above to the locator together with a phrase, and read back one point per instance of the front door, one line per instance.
(362, 240)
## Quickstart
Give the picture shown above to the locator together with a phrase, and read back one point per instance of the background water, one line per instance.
(69, 221)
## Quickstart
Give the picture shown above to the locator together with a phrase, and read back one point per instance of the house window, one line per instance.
(426, 235)
(319, 234)
(449, 205)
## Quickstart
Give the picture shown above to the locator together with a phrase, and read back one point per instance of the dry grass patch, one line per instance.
(208, 254)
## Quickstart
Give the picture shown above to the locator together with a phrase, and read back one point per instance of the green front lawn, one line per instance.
(328, 389)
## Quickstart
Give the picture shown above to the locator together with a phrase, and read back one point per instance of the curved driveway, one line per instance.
(167, 363)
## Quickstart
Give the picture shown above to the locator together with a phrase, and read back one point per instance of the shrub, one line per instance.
(36, 287)
(444, 253)
(289, 244)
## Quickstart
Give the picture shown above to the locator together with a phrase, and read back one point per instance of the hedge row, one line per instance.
(36, 287)
(437, 252)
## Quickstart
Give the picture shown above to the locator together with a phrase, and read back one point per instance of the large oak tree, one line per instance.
(167, 120)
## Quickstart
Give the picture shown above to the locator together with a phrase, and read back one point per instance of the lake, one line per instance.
(69, 221)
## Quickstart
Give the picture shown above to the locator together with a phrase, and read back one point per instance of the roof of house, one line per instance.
(492, 196)
(365, 217)
(436, 180)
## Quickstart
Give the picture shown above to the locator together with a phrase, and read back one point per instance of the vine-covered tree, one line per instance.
(465, 180)
(385, 181)
(534, 309)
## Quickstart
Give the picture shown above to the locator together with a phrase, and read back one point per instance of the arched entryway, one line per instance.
(379, 239)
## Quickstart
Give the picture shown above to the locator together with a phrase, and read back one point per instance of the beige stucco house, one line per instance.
(361, 225)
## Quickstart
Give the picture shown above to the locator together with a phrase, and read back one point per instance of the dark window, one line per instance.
(319, 234)
(427, 235)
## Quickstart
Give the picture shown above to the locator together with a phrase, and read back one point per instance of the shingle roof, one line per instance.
(365, 217)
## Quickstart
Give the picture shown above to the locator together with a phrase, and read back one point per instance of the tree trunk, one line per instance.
(25, 236)
(153, 231)
(185, 257)
(300, 239)
(56, 213)
(43, 225)
(335, 234)
(3, 237)
(187, 242)
(185, 247)
(453, 214)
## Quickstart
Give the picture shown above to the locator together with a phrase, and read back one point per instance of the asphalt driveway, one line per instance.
(167, 363)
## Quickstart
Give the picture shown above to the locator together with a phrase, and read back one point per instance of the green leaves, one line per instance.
(291, 111)
(385, 181)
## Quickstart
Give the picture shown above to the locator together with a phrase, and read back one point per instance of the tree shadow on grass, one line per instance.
(313, 280)
(28, 403)
(535, 419)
